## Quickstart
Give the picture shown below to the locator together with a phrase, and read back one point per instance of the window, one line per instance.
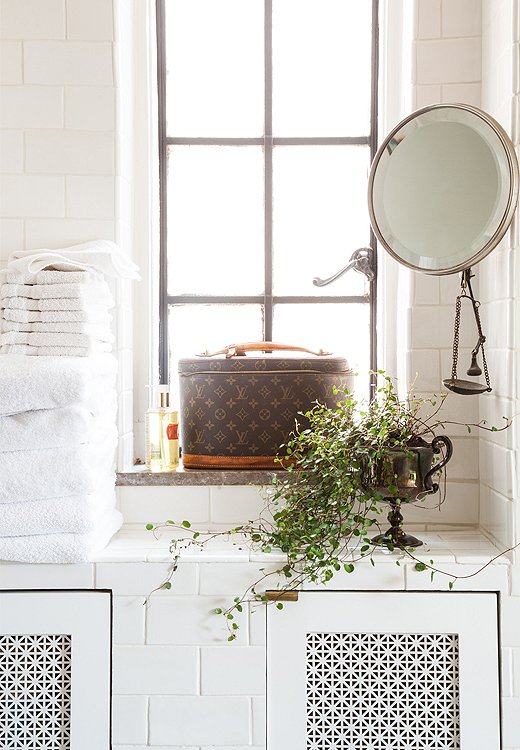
(267, 130)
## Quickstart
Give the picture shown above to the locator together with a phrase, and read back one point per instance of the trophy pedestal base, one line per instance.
(395, 536)
(387, 540)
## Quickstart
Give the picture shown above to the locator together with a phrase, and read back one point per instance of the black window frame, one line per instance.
(268, 142)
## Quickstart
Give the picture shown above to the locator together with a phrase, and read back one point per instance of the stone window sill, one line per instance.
(139, 476)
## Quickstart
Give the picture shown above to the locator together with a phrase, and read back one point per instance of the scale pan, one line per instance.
(465, 387)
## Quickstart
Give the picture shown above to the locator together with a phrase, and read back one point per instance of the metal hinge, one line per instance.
(361, 260)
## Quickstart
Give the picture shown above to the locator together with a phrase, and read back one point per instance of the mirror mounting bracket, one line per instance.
(361, 260)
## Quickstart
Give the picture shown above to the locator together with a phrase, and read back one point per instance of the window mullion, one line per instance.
(268, 170)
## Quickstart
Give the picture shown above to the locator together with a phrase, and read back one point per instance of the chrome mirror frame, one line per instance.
(511, 203)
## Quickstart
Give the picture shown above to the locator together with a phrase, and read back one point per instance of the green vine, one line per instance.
(323, 510)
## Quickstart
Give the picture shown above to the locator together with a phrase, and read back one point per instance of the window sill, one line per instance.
(141, 477)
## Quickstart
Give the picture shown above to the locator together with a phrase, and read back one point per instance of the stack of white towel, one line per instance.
(55, 313)
(57, 444)
(58, 407)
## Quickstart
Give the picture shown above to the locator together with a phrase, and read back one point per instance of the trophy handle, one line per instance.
(436, 447)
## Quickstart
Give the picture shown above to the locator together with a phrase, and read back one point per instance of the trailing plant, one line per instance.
(322, 511)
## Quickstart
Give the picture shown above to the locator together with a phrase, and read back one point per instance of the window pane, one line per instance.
(215, 220)
(321, 67)
(196, 328)
(215, 67)
(320, 216)
(341, 329)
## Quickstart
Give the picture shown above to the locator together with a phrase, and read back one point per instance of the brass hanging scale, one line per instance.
(455, 384)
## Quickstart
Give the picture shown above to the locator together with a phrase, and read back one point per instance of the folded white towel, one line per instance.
(64, 330)
(89, 317)
(77, 514)
(103, 256)
(96, 291)
(48, 277)
(52, 428)
(61, 548)
(56, 472)
(50, 382)
(26, 350)
(51, 339)
(57, 305)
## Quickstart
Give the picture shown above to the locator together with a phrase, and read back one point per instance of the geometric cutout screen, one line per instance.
(35, 692)
(381, 691)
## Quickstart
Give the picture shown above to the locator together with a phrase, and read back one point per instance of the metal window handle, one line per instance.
(360, 261)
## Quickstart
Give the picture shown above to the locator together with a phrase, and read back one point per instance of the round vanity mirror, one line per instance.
(443, 188)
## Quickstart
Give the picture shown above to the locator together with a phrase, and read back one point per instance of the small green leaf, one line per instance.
(149, 526)
(420, 566)
(218, 611)
(232, 638)
(450, 585)
(279, 605)
(167, 585)
(349, 568)
(186, 524)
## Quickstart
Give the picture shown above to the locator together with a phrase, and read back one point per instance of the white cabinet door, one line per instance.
(383, 671)
(55, 663)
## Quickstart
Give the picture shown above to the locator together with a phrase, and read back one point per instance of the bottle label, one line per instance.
(172, 432)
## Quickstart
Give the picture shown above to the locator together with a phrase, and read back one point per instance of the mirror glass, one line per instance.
(443, 188)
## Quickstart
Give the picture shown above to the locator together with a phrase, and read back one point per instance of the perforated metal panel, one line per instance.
(35, 692)
(382, 691)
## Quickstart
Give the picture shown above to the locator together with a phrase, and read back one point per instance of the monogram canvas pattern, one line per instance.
(248, 406)
(35, 692)
(382, 691)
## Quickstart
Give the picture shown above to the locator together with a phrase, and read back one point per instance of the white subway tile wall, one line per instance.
(60, 150)
(66, 177)
(468, 52)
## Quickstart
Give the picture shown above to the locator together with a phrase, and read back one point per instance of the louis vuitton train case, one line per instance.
(237, 409)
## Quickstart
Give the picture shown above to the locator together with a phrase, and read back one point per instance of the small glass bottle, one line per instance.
(162, 433)
(169, 432)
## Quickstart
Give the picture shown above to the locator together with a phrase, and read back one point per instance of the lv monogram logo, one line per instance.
(287, 391)
(242, 437)
(199, 391)
(199, 437)
(241, 392)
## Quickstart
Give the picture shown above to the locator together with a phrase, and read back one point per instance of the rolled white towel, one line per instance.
(90, 317)
(102, 256)
(62, 548)
(56, 472)
(48, 277)
(98, 290)
(65, 331)
(57, 305)
(50, 382)
(77, 514)
(52, 428)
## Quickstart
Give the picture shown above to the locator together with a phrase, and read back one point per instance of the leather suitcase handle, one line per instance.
(234, 350)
